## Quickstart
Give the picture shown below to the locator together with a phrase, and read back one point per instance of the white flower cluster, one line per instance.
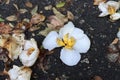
(26, 50)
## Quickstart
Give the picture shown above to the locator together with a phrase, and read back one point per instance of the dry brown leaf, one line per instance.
(37, 18)
(46, 31)
(7, 1)
(22, 11)
(49, 7)
(97, 78)
(5, 28)
(29, 4)
(115, 41)
(34, 10)
(11, 18)
(96, 2)
(70, 15)
(15, 5)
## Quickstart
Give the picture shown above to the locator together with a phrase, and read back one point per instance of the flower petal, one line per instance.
(115, 16)
(50, 41)
(82, 45)
(68, 28)
(114, 4)
(70, 57)
(77, 33)
(103, 7)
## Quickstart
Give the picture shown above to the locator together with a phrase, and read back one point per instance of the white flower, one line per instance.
(30, 53)
(20, 73)
(73, 40)
(109, 8)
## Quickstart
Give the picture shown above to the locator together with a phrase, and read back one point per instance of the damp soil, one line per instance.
(101, 31)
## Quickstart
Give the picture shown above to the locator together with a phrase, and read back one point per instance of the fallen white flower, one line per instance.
(20, 73)
(109, 8)
(30, 53)
(72, 39)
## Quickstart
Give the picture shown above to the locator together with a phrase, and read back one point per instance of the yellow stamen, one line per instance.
(70, 43)
(30, 50)
(66, 42)
(111, 10)
(60, 42)
(65, 38)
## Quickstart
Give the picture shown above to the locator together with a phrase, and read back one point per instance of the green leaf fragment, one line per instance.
(61, 4)
(1, 20)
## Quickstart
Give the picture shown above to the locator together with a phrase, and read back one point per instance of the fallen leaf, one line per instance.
(15, 5)
(70, 15)
(29, 4)
(49, 7)
(1, 20)
(7, 1)
(5, 28)
(59, 5)
(115, 41)
(96, 2)
(11, 18)
(97, 78)
(37, 18)
(34, 10)
(22, 11)
(46, 31)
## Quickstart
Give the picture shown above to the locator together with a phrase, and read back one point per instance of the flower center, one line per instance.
(67, 42)
(111, 10)
(30, 50)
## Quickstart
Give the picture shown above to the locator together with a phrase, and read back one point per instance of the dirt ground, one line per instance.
(101, 32)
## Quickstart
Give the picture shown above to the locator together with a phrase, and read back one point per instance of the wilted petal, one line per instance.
(68, 28)
(20, 73)
(115, 16)
(50, 41)
(30, 53)
(82, 45)
(70, 57)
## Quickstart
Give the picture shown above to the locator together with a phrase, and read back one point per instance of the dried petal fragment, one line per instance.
(96, 2)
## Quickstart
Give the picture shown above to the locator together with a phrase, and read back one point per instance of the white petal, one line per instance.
(70, 57)
(115, 16)
(50, 41)
(77, 33)
(103, 7)
(114, 4)
(103, 14)
(118, 34)
(82, 45)
(68, 28)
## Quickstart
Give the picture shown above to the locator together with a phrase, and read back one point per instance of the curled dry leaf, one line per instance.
(22, 11)
(29, 4)
(97, 78)
(96, 2)
(37, 18)
(70, 15)
(46, 31)
(15, 5)
(34, 10)
(49, 7)
(5, 28)
(11, 18)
